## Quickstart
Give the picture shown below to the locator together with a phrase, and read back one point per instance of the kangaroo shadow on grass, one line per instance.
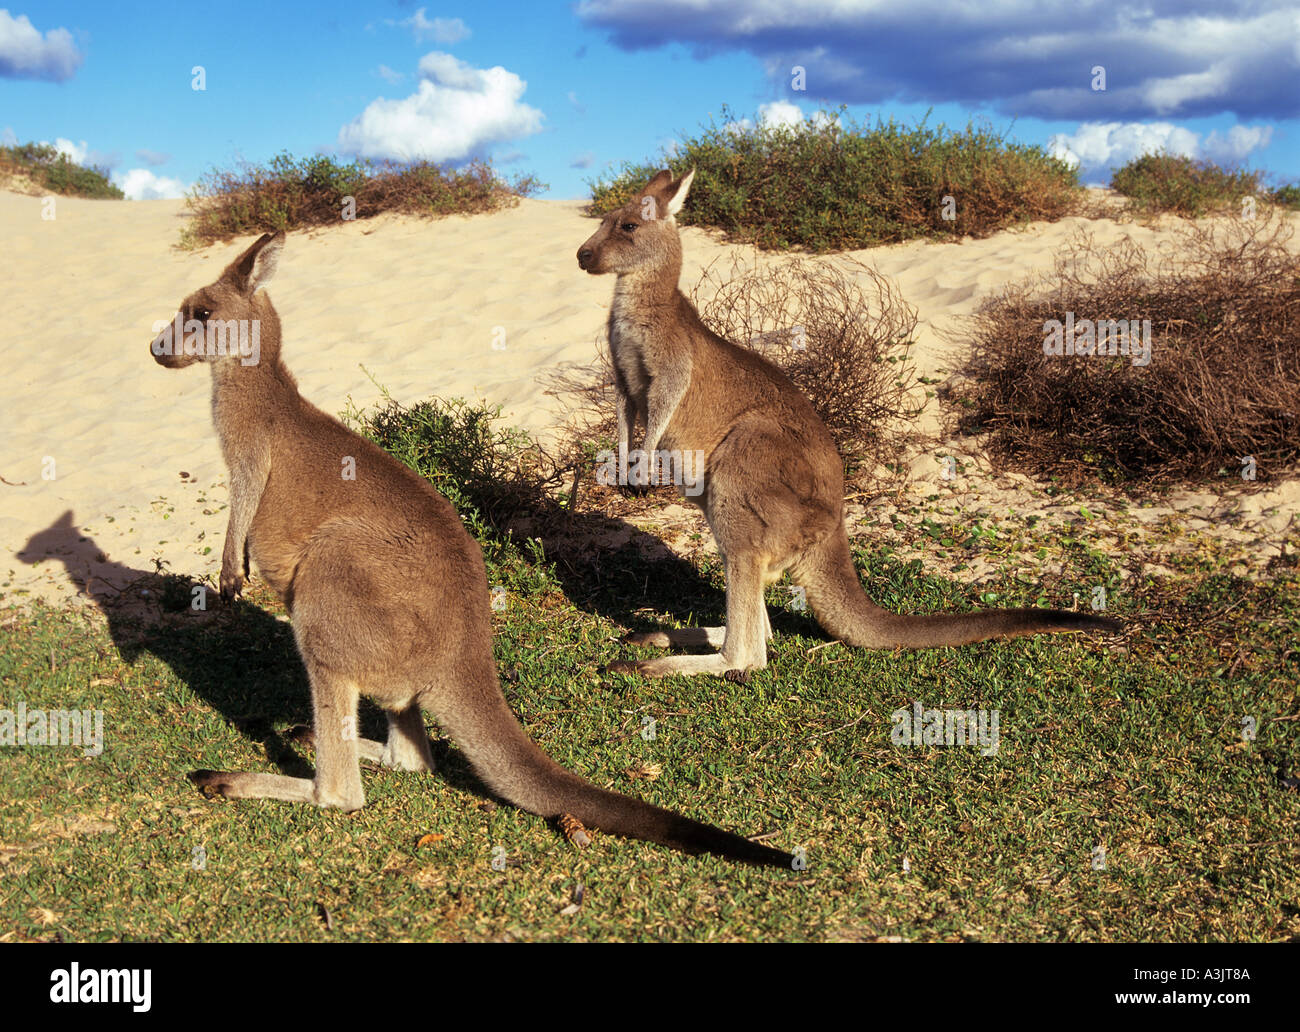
(240, 659)
(611, 568)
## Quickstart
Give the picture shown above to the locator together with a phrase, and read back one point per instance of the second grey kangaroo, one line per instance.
(387, 590)
(772, 483)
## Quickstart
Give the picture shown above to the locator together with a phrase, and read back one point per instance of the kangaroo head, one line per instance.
(641, 236)
(225, 322)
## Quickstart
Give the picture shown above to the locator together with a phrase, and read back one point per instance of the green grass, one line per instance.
(834, 184)
(1137, 751)
(1184, 186)
(50, 170)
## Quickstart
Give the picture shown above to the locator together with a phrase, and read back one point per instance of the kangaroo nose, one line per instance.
(584, 256)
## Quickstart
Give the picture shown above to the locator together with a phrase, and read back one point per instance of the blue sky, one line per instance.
(567, 90)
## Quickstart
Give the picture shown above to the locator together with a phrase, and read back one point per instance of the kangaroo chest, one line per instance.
(629, 334)
(645, 342)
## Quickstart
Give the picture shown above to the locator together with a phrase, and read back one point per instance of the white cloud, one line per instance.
(388, 75)
(139, 184)
(82, 154)
(780, 113)
(1101, 146)
(26, 54)
(583, 160)
(783, 114)
(456, 112)
(1237, 144)
(152, 157)
(74, 152)
(1166, 96)
(437, 30)
(8, 138)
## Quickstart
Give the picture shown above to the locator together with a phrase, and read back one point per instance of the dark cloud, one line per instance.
(1164, 58)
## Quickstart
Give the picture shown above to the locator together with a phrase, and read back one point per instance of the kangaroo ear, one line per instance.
(658, 182)
(653, 199)
(676, 192)
(253, 269)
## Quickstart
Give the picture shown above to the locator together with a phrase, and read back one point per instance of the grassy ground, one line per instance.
(1134, 747)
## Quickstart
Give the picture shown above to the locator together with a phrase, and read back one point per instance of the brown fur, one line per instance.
(773, 481)
(387, 591)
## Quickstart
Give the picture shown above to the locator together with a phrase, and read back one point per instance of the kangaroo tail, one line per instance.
(517, 770)
(836, 598)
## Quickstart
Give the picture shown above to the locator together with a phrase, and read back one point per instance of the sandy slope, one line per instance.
(419, 303)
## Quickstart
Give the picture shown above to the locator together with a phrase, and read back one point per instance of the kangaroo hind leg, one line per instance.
(334, 731)
(407, 747)
(744, 645)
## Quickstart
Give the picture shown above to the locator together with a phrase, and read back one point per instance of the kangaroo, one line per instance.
(387, 591)
(772, 485)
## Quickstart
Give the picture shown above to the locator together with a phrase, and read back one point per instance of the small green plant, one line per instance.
(48, 169)
(493, 475)
(290, 193)
(831, 184)
(1183, 186)
(1287, 196)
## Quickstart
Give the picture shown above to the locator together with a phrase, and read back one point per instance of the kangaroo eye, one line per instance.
(201, 314)
(628, 227)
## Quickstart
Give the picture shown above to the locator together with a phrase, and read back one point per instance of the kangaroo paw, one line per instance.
(301, 734)
(656, 638)
(212, 783)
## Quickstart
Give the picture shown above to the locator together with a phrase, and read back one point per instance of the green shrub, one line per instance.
(290, 193)
(1287, 196)
(1183, 186)
(495, 476)
(831, 184)
(50, 170)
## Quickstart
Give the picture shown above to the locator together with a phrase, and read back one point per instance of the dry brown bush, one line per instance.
(837, 328)
(1223, 380)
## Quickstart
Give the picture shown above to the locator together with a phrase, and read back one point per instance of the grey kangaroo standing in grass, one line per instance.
(387, 590)
(772, 483)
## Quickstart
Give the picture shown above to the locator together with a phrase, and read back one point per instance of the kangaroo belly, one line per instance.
(274, 558)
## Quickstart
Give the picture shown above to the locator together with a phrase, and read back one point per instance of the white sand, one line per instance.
(417, 302)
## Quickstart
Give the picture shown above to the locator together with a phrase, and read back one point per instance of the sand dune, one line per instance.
(419, 303)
